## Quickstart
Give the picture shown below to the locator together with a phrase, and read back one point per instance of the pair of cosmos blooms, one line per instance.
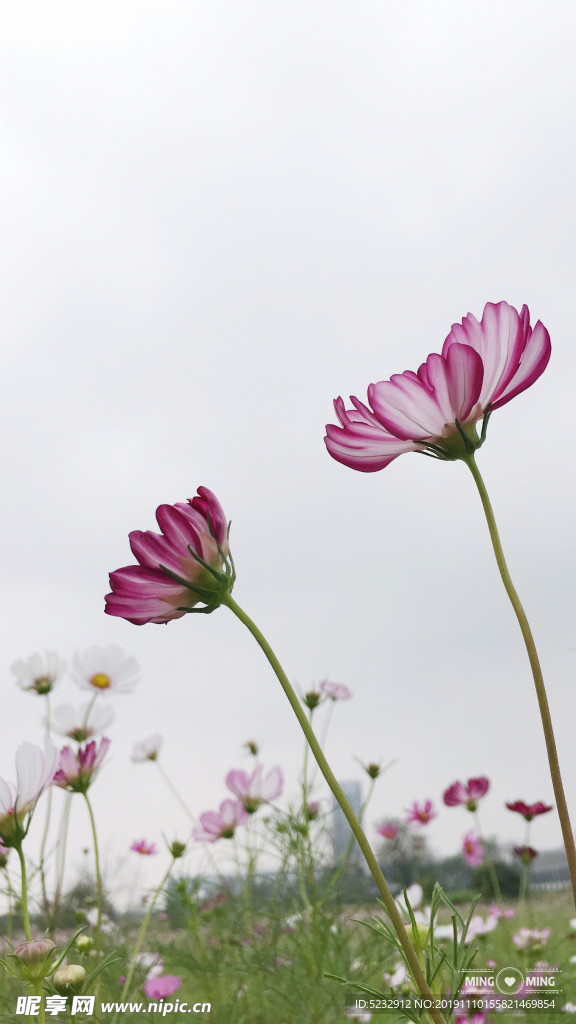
(483, 366)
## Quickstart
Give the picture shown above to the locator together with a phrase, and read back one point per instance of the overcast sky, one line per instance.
(216, 218)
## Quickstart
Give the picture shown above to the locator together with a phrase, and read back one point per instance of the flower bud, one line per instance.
(373, 770)
(312, 699)
(35, 958)
(312, 810)
(252, 746)
(177, 849)
(84, 943)
(419, 936)
(70, 977)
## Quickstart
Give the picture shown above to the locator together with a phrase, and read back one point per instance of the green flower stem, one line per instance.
(38, 992)
(61, 859)
(305, 768)
(525, 869)
(25, 914)
(143, 930)
(190, 817)
(387, 898)
(488, 861)
(536, 672)
(97, 865)
(45, 902)
(9, 899)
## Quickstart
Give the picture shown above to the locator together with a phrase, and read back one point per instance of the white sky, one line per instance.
(215, 218)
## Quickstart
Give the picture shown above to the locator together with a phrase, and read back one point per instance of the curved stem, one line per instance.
(143, 930)
(97, 865)
(561, 804)
(305, 767)
(386, 895)
(24, 903)
(324, 733)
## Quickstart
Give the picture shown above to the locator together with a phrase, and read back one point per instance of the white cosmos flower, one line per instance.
(39, 672)
(105, 668)
(34, 773)
(148, 749)
(81, 724)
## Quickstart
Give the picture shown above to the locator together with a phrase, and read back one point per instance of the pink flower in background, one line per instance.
(525, 853)
(529, 811)
(145, 592)
(76, 771)
(472, 850)
(145, 849)
(34, 772)
(336, 691)
(421, 814)
(388, 830)
(221, 824)
(468, 794)
(495, 911)
(482, 364)
(531, 938)
(162, 988)
(257, 788)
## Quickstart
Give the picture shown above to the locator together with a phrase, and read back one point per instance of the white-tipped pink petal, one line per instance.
(535, 359)
(361, 442)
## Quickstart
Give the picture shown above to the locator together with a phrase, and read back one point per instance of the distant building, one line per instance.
(341, 831)
(550, 870)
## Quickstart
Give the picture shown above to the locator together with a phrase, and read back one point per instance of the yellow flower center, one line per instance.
(101, 681)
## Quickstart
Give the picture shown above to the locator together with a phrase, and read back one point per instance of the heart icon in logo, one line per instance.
(510, 981)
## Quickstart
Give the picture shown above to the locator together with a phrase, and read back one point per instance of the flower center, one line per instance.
(43, 684)
(101, 681)
(81, 734)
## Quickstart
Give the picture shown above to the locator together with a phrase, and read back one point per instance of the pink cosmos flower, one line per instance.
(169, 580)
(531, 938)
(256, 789)
(421, 814)
(469, 794)
(162, 988)
(495, 911)
(76, 771)
(483, 366)
(472, 850)
(336, 691)
(34, 772)
(221, 824)
(529, 811)
(525, 853)
(388, 830)
(144, 848)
